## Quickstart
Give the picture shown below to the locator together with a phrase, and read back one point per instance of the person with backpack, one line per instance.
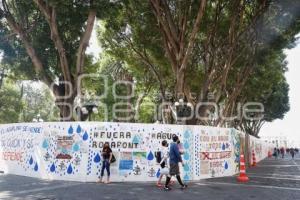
(162, 159)
(175, 159)
(106, 160)
(180, 147)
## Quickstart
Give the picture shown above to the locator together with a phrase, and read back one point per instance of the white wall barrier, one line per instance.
(72, 150)
(260, 148)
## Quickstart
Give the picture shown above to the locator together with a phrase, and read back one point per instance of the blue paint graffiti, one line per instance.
(186, 168)
(150, 156)
(135, 140)
(97, 158)
(78, 130)
(187, 134)
(31, 161)
(75, 147)
(36, 167)
(70, 131)
(158, 173)
(186, 177)
(70, 169)
(186, 145)
(52, 168)
(186, 156)
(85, 136)
(45, 144)
(226, 165)
(223, 147)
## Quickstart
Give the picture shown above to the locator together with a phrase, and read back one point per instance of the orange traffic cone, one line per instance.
(242, 177)
(254, 159)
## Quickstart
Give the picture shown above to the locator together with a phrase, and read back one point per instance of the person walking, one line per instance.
(282, 152)
(292, 152)
(107, 156)
(164, 169)
(175, 159)
(275, 153)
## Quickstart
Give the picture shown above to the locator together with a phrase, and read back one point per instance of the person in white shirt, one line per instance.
(164, 166)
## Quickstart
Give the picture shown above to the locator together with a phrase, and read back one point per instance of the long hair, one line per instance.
(106, 146)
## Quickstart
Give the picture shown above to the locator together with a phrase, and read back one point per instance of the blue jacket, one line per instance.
(175, 156)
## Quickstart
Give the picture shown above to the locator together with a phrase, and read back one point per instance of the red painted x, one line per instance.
(206, 156)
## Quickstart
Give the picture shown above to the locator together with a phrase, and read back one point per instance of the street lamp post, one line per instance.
(37, 118)
(86, 111)
(183, 111)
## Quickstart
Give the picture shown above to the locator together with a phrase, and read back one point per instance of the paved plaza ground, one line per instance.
(271, 179)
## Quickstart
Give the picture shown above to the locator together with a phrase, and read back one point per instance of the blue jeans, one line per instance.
(105, 165)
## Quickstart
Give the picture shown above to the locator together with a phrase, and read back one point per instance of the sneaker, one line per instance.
(166, 188)
(183, 186)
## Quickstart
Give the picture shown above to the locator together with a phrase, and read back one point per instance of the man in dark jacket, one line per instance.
(175, 159)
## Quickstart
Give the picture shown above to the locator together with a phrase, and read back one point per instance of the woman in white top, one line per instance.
(164, 169)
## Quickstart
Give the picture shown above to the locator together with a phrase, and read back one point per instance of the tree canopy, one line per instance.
(221, 52)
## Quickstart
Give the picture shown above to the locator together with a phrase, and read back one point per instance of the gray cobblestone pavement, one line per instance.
(271, 179)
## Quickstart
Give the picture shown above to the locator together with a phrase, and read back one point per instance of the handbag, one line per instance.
(164, 171)
(113, 159)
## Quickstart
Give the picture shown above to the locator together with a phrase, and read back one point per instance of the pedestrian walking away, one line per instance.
(292, 152)
(282, 151)
(275, 153)
(163, 162)
(175, 159)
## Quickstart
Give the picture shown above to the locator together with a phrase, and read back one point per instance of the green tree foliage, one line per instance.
(214, 50)
(47, 40)
(268, 87)
(11, 103)
(218, 51)
(38, 100)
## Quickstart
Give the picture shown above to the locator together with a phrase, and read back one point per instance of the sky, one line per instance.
(289, 125)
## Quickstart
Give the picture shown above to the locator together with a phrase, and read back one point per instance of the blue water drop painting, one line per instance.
(150, 156)
(186, 168)
(36, 167)
(30, 161)
(45, 144)
(135, 140)
(186, 156)
(226, 165)
(186, 178)
(70, 169)
(158, 173)
(97, 158)
(85, 136)
(78, 130)
(70, 131)
(186, 145)
(52, 168)
(187, 134)
(75, 147)
(223, 147)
